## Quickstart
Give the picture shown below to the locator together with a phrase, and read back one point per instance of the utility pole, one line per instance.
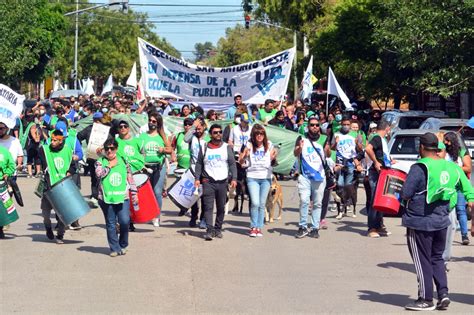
(123, 3)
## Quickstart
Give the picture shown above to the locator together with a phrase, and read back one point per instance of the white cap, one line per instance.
(372, 125)
(237, 94)
(194, 104)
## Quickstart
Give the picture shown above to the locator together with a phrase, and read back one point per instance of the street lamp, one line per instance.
(124, 7)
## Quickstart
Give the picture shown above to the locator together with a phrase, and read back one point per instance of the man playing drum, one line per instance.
(56, 160)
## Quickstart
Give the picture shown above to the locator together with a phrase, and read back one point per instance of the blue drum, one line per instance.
(67, 201)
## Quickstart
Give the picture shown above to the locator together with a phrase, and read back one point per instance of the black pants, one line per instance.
(214, 192)
(325, 205)
(426, 250)
(94, 180)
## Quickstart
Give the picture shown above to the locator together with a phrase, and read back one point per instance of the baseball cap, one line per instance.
(429, 141)
(244, 117)
(97, 115)
(61, 126)
(237, 95)
(188, 121)
(372, 125)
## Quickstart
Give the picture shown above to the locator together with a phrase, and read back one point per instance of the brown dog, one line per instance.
(275, 196)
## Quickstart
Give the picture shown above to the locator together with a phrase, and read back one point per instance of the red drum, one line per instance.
(148, 207)
(387, 193)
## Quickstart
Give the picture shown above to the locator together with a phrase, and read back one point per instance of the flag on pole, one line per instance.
(140, 93)
(132, 79)
(335, 89)
(88, 86)
(307, 82)
(108, 85)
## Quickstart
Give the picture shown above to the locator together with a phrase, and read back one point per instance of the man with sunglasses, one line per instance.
(129, 147)
(213, 167)
(311, 151)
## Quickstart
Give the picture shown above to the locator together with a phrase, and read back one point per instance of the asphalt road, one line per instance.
(171, 269)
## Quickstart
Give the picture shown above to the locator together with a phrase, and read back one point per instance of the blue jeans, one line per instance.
(112, 212)
(310, 190)
(374, 217)
(258, 190)
(346, 176)
(158, 187)
(461, 213)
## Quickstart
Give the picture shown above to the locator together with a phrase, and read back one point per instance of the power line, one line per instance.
(167, 5)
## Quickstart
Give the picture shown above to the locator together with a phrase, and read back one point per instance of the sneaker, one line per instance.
(420, 305)
(2, 235)
(383, 231)
(373, 233)
(30, 176)
(354, 215)
(323, 224)
(113, 254)
(155, 222)
(339, 215)
(218, 234)
(202, 224)
(465, 240)
(49, 233)
(182, 212)
(131, 227)
(75, 226)
(443, 303)
(253, 232)
(123, 251)
(446, 267)
(192, 223)
(302, 232)
(314, 233)
(208, 236)
(259, 233)
(59, 240)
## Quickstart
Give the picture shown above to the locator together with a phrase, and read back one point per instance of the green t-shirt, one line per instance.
(7, 165)
(114, 185)
(182, 152)
(129, 149)
(264, 116)
(150, 146)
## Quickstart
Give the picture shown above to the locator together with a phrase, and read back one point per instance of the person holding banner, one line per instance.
(268, 112)
(7, 169)
(213, 167)
(116, 181)
(258, 156)
(57, 162)
(155, 146)
(129, 147)
(430, 190)
(197, 140)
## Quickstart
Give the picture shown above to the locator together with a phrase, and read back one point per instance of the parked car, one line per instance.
(451, 124)
(66, 93)
(412, 119)
(404, 147)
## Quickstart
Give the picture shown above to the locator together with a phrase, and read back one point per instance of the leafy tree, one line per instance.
(203, 51)
(107, 44)
(432, 40)
(32, 34)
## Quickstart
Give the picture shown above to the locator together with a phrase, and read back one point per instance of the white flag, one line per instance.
(132, 79)
(307, 84)
(89, 86)
(108, 85)
(140, 92)
(335, 89)
(11, 106)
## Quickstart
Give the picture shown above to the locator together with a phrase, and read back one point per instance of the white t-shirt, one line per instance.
(215, 163)
(13, 145)
(239, 138)
(260, 163)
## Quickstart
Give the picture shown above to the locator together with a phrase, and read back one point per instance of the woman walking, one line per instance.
(258, 156)
(116, 181)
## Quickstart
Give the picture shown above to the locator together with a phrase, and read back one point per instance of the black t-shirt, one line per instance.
(376, 143)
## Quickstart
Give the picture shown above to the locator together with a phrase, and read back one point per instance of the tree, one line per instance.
(432, 40)
(203, 51)
(32, 34)
(108, 44)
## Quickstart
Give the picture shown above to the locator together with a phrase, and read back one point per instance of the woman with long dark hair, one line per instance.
(155, 146)
(257, 156)
(460, 156)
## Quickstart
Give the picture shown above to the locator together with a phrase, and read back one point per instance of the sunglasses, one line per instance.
(259, 134)
(314, 125)
(187, 125)
(123, 127)
(110, 148)
(217, 132)
(153, 121)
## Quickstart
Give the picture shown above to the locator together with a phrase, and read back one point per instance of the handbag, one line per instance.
(330, 177)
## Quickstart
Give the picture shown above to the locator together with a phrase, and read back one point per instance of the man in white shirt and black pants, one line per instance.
(213, 167)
